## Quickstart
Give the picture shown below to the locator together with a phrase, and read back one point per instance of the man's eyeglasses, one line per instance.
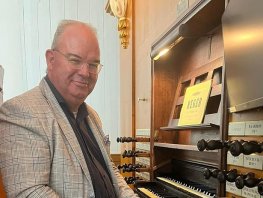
(78, 63)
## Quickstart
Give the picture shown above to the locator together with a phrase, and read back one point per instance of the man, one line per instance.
(51, 142)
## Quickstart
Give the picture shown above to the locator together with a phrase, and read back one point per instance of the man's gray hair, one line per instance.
(62, 26)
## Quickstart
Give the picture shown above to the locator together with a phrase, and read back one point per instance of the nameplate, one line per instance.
(143, 146)
(143, 175)
(253, 161)
(231, 188)
(238, 161)
(143, 160)
(250, 192)
(143, 132)
(236, 128)
(254, 128)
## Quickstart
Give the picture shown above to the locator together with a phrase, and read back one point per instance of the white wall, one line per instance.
(26, 31)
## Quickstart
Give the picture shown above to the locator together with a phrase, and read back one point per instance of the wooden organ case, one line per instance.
(196, 55)
(242, 32)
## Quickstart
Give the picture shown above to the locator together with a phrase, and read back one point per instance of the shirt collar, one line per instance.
(58, 96)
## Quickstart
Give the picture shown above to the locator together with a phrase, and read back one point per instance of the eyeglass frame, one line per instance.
(81, 63)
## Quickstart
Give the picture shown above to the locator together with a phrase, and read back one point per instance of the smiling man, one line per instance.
(51, 142)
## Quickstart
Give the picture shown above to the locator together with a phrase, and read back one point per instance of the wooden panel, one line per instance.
(126, 161)
(116, 158)
(164, 89)
(244, 84)
(157, 14)
(2, 191)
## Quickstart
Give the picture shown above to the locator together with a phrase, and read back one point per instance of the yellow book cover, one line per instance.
(194, 105)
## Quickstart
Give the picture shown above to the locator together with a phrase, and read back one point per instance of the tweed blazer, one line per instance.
(39, 153)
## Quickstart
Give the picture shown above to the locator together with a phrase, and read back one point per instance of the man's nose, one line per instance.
(85, 69)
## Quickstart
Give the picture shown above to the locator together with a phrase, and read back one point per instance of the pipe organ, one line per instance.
(221, 155)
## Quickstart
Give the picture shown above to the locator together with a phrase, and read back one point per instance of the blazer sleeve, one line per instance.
(125, 190)
(24, 152)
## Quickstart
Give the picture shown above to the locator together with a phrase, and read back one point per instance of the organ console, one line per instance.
(169, 187)
(125, 139)
(131, 153)
(178, 169)
(241, 180)
(130, 139)
(245, 147)
(131, 180)
(248, 180)
(245, 113)
(231, 175)
(176, 165)
(186, 180)
(221, 175)
(208, 173)
(211, 144)
(235, 147)
(133, 167)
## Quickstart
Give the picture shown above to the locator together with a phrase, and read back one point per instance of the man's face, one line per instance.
(76, 47)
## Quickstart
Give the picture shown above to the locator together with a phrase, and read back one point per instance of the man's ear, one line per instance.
(50, 58)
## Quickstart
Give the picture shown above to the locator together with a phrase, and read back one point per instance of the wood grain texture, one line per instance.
(2, 191)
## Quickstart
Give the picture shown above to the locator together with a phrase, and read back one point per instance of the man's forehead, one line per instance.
(76, 29)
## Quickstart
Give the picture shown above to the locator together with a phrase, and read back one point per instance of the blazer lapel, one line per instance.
(97, 134)
(65, 126)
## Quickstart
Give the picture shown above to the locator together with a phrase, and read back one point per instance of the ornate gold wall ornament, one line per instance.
(123, 31)
(118, 8)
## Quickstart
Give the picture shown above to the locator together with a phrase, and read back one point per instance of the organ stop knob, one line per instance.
(245, 147)
(248, 180)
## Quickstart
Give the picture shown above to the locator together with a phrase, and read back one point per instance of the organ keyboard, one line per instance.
(169, 187)
(193, 189)
(183, 179)
(148, 192)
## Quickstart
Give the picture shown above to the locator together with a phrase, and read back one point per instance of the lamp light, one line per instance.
(165, 50)
(161, 53)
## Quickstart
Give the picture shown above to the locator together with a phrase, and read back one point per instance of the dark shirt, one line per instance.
(99, 173)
